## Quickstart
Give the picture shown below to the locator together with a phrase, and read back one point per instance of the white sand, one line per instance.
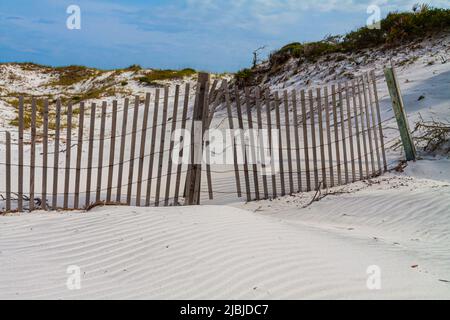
(264, 250)
(281, 251)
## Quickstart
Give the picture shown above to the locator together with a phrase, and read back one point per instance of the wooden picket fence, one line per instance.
(326, 137)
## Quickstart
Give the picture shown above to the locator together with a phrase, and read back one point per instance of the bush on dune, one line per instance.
(396, 29)
(160, 75)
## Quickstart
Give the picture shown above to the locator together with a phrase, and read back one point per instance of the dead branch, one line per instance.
(431, 135)
(103, 204)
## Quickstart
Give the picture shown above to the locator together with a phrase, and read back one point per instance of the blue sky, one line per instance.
(209, 35)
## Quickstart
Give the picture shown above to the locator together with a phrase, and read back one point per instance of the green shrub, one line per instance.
(159, 75)
(244, 74)
(396, 29)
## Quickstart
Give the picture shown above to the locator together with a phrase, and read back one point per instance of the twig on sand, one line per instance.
(319, 195)
(103, 204)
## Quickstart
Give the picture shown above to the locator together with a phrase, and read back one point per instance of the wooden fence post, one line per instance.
(56, 155)
(68, 156)
(112, 151)
(76, 200)
(45, 156)
(20, 174)
(194, 182)
(100, 156)
(8, 171)
(400, 114)
(32, 152)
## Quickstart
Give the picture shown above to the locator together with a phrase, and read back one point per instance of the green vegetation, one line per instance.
(27, 112)
(96, 93)
(396, 29)
(245, 76)
(39, 113)
(134, 67)
(73, 74)
(30, 66)
(152, 77)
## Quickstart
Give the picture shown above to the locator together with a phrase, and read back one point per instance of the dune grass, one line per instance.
(396, 29)
(152, 77)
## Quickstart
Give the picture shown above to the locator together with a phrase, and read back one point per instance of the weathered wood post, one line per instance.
(193, 179)
(400, 114)
(8, 171)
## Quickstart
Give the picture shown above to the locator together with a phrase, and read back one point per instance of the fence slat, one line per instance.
(312, 118)
(374, 123)
(205, 126)
(172, 144)
(44, 156)
(8, 171)
(213, 92)
(100, 155)
(180, 160)
(152, 149)
(297, 142)
(271, 149)
(191, 145)
(123, 136)
(193, 180)
(344, 136)
(161, 145)
(350, 131)
(242, 142)
(90, 151)
(358, 134)
(321, 138)
(380, 126)
(68, 155)
(112, 151)
(288, 141)
(32, 152)
(252, 142)
(369, 129)
(217, 95)
(20, 173)
(261, 142)
(329, 142)
(336, 135)
(231, 126)
(132, 150)
(305, 140)
(280, 143)
(56, 156)
(142, 149)
(79, 156)
(363, 131)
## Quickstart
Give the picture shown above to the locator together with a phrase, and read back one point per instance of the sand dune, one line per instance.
(218, 252)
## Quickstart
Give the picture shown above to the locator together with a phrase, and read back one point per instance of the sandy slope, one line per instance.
(209, 252)
(270, 249)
